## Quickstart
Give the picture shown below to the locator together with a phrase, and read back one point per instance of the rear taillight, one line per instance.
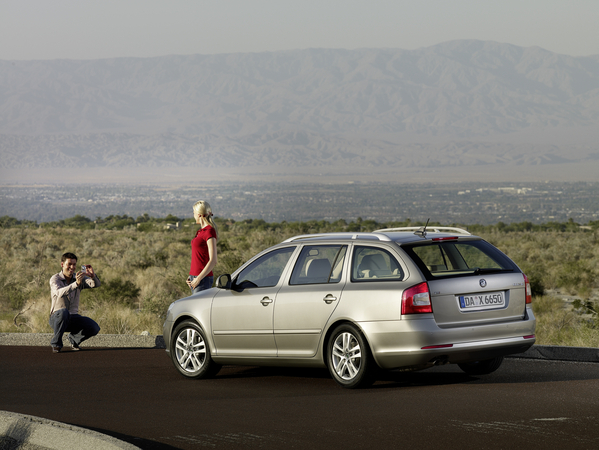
(527, 289)
(416, 300)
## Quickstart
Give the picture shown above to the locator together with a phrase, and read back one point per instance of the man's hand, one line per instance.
(79, 277)
(90, 271)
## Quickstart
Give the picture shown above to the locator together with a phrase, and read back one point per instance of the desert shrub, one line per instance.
(114, 291)
(547, 304)
(587, 308)
(143, 268)
(560, 324)
(159, 288)
(119, 319)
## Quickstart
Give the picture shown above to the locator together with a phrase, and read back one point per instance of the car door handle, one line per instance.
(330, 298)
(266, 301)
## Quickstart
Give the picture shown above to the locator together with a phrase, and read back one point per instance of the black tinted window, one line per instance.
(319, 264)
(444, 258)
(375, 264)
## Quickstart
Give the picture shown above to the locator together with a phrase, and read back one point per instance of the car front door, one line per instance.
(242, 317)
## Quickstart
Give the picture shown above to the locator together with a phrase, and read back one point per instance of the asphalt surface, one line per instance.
(119, 396)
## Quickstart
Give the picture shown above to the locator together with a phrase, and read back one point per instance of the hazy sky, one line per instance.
(90, 29)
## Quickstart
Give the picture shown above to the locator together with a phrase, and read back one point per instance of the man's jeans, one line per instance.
(80, 327)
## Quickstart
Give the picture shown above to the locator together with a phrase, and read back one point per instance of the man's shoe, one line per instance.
(55, 349)
(74, 347)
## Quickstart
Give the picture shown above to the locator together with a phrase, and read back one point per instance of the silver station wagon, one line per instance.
(356, 303)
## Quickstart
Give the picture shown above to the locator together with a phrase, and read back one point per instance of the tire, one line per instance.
(349, 359)
(190, 352)
(484, 367)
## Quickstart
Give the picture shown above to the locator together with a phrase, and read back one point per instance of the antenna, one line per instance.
(422, 231)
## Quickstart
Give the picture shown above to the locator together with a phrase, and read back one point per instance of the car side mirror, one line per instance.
(224, 281)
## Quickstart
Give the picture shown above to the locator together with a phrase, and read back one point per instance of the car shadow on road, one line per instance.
(231, 372)
(512, 371)
(398, 379)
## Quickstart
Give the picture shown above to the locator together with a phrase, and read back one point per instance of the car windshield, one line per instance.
(447, 258)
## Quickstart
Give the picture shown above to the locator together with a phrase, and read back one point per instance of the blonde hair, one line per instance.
(203, 209)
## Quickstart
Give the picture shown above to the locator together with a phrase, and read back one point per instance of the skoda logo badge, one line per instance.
(483, 283)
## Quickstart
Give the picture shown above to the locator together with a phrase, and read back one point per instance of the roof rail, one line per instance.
(429, 228)
(347, 234)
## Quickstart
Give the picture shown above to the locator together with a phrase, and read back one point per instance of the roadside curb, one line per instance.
(23, 431)
(557, 353)
(101, 340)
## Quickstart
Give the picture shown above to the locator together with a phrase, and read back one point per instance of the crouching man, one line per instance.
(65, 288)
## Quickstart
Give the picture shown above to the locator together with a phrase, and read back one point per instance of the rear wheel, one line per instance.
(348, 357)
(190, 352)
(484, 367)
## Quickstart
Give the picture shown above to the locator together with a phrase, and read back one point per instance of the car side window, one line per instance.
(266, 270)
(375, 264)
(319, 264)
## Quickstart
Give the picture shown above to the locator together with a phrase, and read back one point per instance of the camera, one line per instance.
(84, 268)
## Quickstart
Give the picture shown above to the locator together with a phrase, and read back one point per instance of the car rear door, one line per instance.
(306, 302)
(474, 300)
(471, 282)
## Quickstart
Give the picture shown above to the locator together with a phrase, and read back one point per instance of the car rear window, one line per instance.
(448, 258)
(319, 264)
(371, 264)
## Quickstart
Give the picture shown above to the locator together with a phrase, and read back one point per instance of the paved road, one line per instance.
(136, 395)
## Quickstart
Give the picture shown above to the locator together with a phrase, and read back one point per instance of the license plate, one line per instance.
(490, 300)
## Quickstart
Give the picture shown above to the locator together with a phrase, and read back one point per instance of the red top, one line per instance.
(199, 250)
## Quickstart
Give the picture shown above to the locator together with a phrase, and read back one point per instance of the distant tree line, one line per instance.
(147, 223)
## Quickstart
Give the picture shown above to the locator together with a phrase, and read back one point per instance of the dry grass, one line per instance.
(113, 319)
(154, 265)
(559, 324)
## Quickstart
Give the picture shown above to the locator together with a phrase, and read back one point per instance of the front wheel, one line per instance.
(190, 352)
(484, 367)
(348, 357)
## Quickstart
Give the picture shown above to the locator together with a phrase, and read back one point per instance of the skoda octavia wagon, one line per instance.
(356, 303)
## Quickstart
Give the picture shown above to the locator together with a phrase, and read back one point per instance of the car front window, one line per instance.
(266, 270)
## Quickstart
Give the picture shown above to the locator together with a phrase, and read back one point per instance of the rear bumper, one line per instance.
(420, 342)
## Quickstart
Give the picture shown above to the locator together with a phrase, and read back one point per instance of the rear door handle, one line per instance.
(266, 301)
(330, 298)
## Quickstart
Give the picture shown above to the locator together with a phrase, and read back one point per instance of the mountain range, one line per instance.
(458, 110)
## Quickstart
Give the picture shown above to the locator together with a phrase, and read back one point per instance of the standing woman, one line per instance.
(203, 249)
